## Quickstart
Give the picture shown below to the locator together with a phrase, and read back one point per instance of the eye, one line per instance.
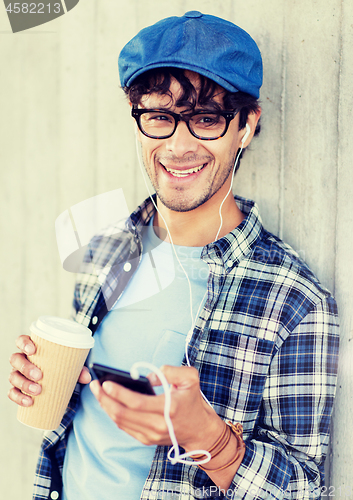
(154, 117)
(206, 121)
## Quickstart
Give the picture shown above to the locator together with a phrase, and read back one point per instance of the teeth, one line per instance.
(184, 173)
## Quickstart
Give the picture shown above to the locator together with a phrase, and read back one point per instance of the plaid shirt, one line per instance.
(266, 348)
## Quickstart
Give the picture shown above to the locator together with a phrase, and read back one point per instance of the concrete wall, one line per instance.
(65, 136)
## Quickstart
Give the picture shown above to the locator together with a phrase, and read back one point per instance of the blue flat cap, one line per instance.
(208, 45)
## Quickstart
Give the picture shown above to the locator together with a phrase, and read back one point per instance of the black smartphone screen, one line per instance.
(103, 373)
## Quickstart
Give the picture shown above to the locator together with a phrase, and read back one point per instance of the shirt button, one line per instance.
(229, 263)
(54, 495)
(94, 320)
(127, 267)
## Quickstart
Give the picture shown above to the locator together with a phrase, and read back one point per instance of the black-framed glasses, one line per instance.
(161, 124)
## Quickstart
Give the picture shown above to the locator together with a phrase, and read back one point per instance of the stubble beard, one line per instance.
(185, 205)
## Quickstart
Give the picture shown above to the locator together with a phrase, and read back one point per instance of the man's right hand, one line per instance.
(25, 375)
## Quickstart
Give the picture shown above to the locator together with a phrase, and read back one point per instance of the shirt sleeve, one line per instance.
(285, 457)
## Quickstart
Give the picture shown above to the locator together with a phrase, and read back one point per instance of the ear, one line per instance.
(252, 120)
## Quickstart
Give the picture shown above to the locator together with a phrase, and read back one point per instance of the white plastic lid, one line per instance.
(63, 331)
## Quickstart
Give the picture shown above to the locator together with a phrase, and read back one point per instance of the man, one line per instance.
(264, 333)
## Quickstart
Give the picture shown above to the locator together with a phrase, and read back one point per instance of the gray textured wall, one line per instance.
(65, 135)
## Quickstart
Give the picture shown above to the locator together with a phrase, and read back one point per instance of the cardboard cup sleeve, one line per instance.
(61, 366)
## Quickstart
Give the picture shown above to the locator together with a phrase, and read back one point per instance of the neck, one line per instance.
(199, 227)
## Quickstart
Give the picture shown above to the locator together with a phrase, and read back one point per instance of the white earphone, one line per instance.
(177, 457)
(247, 133)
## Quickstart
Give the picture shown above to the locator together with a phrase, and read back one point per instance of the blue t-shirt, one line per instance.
(148, 323)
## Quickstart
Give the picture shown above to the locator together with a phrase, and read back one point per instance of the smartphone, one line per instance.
(103, 373)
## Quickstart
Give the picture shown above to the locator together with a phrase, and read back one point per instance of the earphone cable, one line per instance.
(177, 458)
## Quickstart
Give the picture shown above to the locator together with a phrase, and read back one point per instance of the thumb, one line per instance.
(85, 377)
(181, 377)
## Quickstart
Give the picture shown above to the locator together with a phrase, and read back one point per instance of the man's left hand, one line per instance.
(195, 423)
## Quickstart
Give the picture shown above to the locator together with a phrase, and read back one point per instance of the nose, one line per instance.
(182, 142)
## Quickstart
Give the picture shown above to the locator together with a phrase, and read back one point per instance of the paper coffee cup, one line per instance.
(62, 348)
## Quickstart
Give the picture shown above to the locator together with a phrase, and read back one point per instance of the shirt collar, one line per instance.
(240, 242)
(233, 247)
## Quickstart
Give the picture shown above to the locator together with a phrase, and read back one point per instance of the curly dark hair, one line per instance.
(159, 80)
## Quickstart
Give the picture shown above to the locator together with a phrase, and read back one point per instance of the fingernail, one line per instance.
(153, 378)
(33, 388)
(28, 349)
(94, 387)
(108, 387)
(26, 401)
(34, 374)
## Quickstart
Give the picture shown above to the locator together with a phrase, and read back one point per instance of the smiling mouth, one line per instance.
(184, 173)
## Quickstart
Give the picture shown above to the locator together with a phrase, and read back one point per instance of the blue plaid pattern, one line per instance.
(266, 348)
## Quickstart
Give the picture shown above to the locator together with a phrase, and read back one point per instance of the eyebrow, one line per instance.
(186, 112)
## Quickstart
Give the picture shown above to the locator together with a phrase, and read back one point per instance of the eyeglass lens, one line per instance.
(159, 124)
